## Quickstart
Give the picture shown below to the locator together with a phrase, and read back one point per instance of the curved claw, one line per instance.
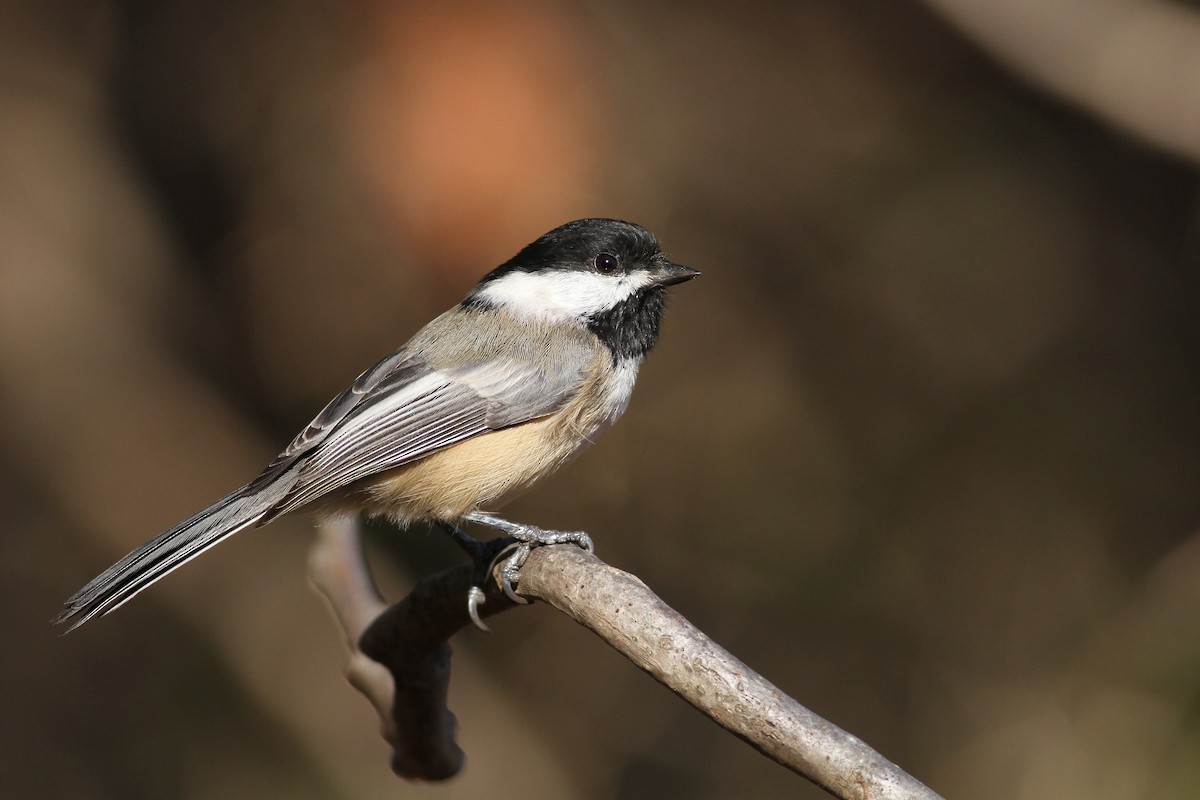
(510, 573)
(476, 598)
(512, 593)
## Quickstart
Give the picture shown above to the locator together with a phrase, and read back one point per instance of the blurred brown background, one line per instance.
(921, 445)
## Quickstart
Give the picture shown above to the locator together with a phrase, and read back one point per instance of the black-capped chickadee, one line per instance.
(494, 394)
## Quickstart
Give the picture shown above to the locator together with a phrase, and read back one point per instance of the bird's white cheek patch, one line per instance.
(564, 294)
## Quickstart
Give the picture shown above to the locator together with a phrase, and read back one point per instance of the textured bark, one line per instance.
(621, 609)
(401, 662)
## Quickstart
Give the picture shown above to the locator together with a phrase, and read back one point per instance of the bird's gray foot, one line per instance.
(528, 537)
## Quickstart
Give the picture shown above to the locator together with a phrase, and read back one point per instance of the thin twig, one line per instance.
(621, 610)
(401, 662)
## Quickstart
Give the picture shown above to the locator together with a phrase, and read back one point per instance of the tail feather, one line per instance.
(169, 550)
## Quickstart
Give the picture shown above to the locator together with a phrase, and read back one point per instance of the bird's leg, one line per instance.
(528, 537)
(484, 556)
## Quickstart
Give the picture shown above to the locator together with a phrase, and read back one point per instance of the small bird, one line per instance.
(486, 399)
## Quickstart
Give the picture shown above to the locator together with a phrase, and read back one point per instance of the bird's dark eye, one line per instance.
(606, 263)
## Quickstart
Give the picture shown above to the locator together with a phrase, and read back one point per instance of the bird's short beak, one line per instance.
(669, 274)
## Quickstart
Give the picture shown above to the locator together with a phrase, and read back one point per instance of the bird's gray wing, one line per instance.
(397, 411)
(413, 409)
(398, 368)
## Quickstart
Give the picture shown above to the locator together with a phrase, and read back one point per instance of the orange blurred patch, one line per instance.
(477, 124)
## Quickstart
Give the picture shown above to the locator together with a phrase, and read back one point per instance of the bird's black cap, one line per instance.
(576, 244)
(628, 327)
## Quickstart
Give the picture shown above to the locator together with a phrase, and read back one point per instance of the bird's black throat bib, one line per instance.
(630, 328)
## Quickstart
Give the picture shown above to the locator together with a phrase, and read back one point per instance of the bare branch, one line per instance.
(621, 610)
(410, 641)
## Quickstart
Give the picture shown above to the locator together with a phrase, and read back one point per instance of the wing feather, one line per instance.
(404, 421)
(398, 368)
(413, 403)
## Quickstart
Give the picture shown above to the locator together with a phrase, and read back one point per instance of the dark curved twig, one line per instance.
(410, 641)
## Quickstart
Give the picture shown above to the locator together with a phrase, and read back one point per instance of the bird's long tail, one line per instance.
(171, 549)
